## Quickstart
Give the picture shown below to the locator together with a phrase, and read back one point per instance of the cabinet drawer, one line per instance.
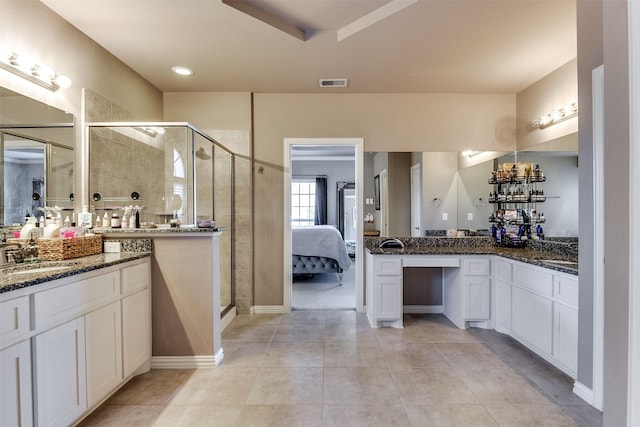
(14, 320)
(535, 279)
(503, 270)
(385, 266)
(135, 278)
(565, 289)
(75, 298)
(476, 267)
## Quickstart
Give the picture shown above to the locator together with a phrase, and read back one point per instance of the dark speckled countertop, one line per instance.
(556, 256)
(12, 276)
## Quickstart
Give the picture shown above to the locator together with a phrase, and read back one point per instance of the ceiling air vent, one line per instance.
(334, 82)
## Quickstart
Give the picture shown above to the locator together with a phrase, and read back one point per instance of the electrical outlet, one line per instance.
(470, 216)
(445, 216)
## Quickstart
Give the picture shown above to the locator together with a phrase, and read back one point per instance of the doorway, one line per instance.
(320, 149)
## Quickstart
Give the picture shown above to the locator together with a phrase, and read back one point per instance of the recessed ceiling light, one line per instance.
(183, 71)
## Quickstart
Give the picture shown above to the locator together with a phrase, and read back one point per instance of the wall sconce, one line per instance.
(23, 66)
(557, 116)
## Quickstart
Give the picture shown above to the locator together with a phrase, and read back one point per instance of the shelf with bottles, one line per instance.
(517, 173)
(519, 195)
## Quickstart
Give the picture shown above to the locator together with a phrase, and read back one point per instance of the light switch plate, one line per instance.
(470, 216)
(445, 216)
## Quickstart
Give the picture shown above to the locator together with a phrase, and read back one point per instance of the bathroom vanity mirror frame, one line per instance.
(25, 119)
(459, 198)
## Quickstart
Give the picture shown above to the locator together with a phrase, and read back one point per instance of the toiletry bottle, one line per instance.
(66, 222)
(98, 221)
(85, 218)
(124, 222)
(132, 220)
(115, 220)
(106, 222)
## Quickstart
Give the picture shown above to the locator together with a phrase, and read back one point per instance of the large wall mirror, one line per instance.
(36, 141)
(454, 190)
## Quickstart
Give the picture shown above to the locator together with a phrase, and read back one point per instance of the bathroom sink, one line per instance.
(51, 269)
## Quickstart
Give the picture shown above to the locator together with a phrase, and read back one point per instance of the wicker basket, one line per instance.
(61, 249)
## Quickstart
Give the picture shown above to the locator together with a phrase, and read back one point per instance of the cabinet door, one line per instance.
(532, 319)
(60, 379)
(103, 330)
(136, 331)
(503, 307)
(477, 297)
(15, 387)
(565, 337)
(388, 297)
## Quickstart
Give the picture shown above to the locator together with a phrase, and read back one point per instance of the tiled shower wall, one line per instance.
(101, 109)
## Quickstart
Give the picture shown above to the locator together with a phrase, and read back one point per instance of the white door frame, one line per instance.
(384, 203)
(358, 143)
(633, 392)
(416, 200)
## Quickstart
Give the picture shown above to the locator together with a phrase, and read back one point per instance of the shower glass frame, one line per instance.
(182, 137)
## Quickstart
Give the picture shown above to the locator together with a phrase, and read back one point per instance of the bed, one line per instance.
(318, 249)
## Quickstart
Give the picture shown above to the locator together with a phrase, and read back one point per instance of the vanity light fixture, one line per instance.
(182, 71)
(21, 65)
(557, 116)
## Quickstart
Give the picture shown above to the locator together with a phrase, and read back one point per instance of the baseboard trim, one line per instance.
(422, 309)
(226, 320)
(584, 392)
(187, 362)
(268, 309)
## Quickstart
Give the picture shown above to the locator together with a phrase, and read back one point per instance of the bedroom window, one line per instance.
(303, 202)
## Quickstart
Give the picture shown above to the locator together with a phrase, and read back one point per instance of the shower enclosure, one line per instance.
(169, 172)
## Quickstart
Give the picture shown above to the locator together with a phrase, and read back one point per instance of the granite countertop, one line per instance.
(163, 230)
(562, 261)
(12, 276)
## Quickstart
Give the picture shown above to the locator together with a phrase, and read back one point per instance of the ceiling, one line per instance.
(445, 46)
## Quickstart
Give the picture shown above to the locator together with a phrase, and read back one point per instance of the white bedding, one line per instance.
(320, 240)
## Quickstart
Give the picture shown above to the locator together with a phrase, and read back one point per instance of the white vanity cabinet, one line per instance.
(384, 290)
(467, 291)
(538, 307)
(15, 386)
(15, 363)
(71, 342)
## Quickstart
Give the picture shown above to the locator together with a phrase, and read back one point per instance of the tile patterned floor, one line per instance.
(329, 368)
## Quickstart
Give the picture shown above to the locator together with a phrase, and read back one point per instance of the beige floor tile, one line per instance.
(345, 317)
(495, 386)
(217, 386)
(299, 332)
(439, 334)
(359, 386)
(365, 416)
(411, 354)
(350, 354)
(427, 386)
(339, 332)
(470, 356)
(392, 335)
(122, 416)
(297, 317)
(286, 354)
(280, 416)
(287, 386)
(249, 332)
(530, 415)
(198, 416)
(152, 388)
(243, 354)
(450, 416)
